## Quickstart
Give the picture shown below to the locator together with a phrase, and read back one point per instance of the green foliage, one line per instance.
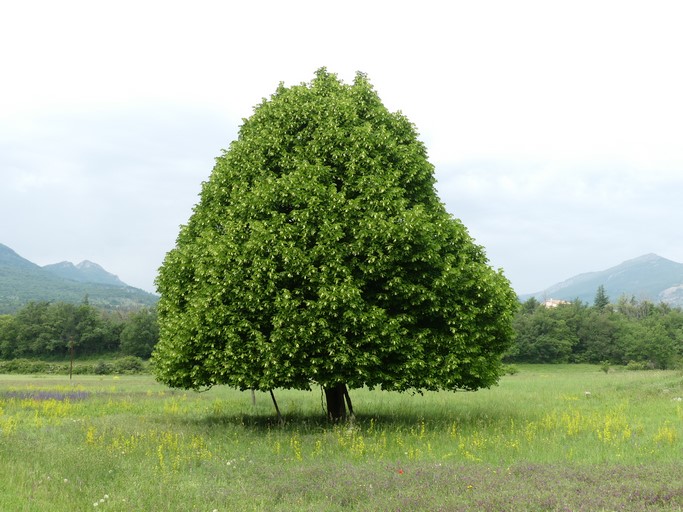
(25, 367)
(320, 252)
(601, 300)
(140, 334)
(22, 282)
(54, 330)
(510, 369)
(543, 336)
(604, 366)
(638, 332)
(639, 366)
(127, 365)
(102, 368)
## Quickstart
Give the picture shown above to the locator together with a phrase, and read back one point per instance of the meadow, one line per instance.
(551, 437)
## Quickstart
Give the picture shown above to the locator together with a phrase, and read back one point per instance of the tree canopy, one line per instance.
(320, 253)
(53, 329)
(638, 334)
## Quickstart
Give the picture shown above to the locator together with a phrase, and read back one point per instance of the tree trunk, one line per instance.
(336, 405)
(277, 409)
(348, 402)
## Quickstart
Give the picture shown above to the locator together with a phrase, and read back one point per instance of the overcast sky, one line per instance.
(556, 128)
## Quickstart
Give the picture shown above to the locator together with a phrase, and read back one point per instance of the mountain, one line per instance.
(85, 272)
(22, 281)
(649, 277)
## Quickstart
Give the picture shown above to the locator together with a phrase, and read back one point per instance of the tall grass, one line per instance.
(547, 438)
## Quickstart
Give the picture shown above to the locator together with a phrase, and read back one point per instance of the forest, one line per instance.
(639, 334)
(56, 330)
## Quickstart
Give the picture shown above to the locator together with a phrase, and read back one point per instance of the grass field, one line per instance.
(547, 438)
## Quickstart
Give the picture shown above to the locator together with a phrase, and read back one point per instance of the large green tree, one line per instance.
(319, 253)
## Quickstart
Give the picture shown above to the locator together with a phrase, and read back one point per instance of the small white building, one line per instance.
(553, 303)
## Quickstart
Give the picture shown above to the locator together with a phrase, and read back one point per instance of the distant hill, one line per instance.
(22, 281)
(84, 272)
(649, 277)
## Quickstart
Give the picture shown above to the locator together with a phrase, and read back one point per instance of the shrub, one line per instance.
(639, 365)
(103, 368)
(123, 365)
(23, 366)
(510, 369)
(128, 364)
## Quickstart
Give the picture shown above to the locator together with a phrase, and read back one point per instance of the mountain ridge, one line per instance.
(86, 272)
(22, 281)
(647, 277)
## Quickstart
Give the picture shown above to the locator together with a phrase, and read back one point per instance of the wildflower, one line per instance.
(400, 471)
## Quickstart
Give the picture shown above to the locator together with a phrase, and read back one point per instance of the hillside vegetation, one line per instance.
(22, 281)
(649, 277)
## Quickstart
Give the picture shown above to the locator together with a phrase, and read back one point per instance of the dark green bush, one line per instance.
(23, 366)
(124, 365)
(639, 365)
(128, 364)
(103, 368)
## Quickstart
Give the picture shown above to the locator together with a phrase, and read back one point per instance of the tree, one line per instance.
(140, 333)
(530, 305)
(601, 338)
(601, 300)
(319, 253)
(543, 336)
(7, 336)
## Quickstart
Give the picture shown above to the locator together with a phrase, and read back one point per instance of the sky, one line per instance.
(555, 128)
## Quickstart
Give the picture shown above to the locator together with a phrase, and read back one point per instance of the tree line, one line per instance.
(56, 329)
(639, 333)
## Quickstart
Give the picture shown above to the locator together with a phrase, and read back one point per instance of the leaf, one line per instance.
(319, 251)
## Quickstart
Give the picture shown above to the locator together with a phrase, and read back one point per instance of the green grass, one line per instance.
(538, 441)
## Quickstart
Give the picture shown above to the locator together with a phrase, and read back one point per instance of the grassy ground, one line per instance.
(547, 438)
